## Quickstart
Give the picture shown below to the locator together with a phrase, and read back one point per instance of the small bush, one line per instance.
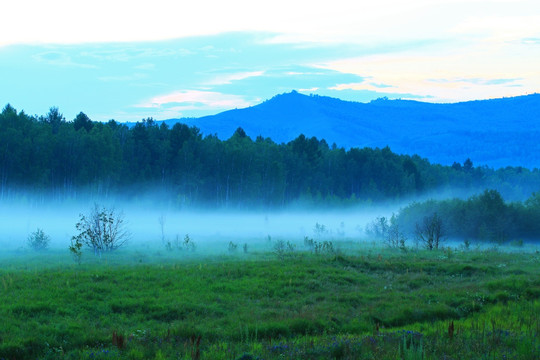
(309, 242)
(232, 246)
(282, 248)
(378, 228)
(320, 230)
(38, 240)
(517, 243)
(395, 237)
(186, 245)
(319, 247)
(322, 247)
(103, 230)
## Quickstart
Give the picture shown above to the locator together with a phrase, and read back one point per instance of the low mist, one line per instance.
(152, 225)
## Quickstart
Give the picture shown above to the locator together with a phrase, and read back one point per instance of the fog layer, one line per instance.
(151, 225)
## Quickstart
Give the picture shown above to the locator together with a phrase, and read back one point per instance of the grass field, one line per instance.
(357, 303)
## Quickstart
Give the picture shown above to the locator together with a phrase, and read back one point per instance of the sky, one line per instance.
(129, 60)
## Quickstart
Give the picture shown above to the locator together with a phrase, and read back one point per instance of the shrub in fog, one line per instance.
(324, 247)
(188, 243)
(102, 230)
(517, 242)
(183, 245)
(309, 242)
(75, 248)
(279, 248)
(282, 248)
(232, 246)
(378, 228)
(430, 231)
(319, 247)
(161, 221)
(341, 231)
(395, 237)
(38, 240)
(320, 230)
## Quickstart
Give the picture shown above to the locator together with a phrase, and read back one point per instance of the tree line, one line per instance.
(66, 159)
(485, 216)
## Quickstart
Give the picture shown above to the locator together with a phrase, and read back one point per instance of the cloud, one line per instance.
(310, 90)
(58, 58)
(531, 41)
(283, 78)
(136, 76)
(131, 51)
(478, 81)
(349, 86)
(145, 66)
(466, 71)
(371, 86)
(229, 78)
(500, 27)
(372, 91)
(196, 99)
(380, 86)
(299, 21)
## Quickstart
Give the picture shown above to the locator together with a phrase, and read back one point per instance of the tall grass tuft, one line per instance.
(118, 340)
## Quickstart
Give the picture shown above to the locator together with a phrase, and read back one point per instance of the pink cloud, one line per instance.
(196, 99)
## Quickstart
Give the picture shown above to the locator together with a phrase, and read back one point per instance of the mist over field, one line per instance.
(144, 223)
(466, 214)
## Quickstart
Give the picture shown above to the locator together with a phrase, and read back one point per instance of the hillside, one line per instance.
(498, 133)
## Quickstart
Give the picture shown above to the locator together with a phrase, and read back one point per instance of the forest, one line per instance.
(53, 158)
(485, 216)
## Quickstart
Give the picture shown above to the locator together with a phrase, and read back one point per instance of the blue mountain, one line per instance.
(497, 133)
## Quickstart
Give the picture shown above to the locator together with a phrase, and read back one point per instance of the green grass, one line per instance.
(369, 303)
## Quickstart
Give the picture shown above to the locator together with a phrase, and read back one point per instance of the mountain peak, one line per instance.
(287, 97)
(497, 132)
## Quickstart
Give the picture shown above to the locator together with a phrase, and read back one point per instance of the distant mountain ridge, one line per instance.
(497, 133)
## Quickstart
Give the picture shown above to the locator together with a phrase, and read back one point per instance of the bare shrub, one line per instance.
(103, 230)
(430, 231)
(320, 230)
(378, 228)
(232, 246)
(183, 245)
(395, 237)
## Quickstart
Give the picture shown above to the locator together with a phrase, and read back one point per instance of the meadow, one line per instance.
(344, 301)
